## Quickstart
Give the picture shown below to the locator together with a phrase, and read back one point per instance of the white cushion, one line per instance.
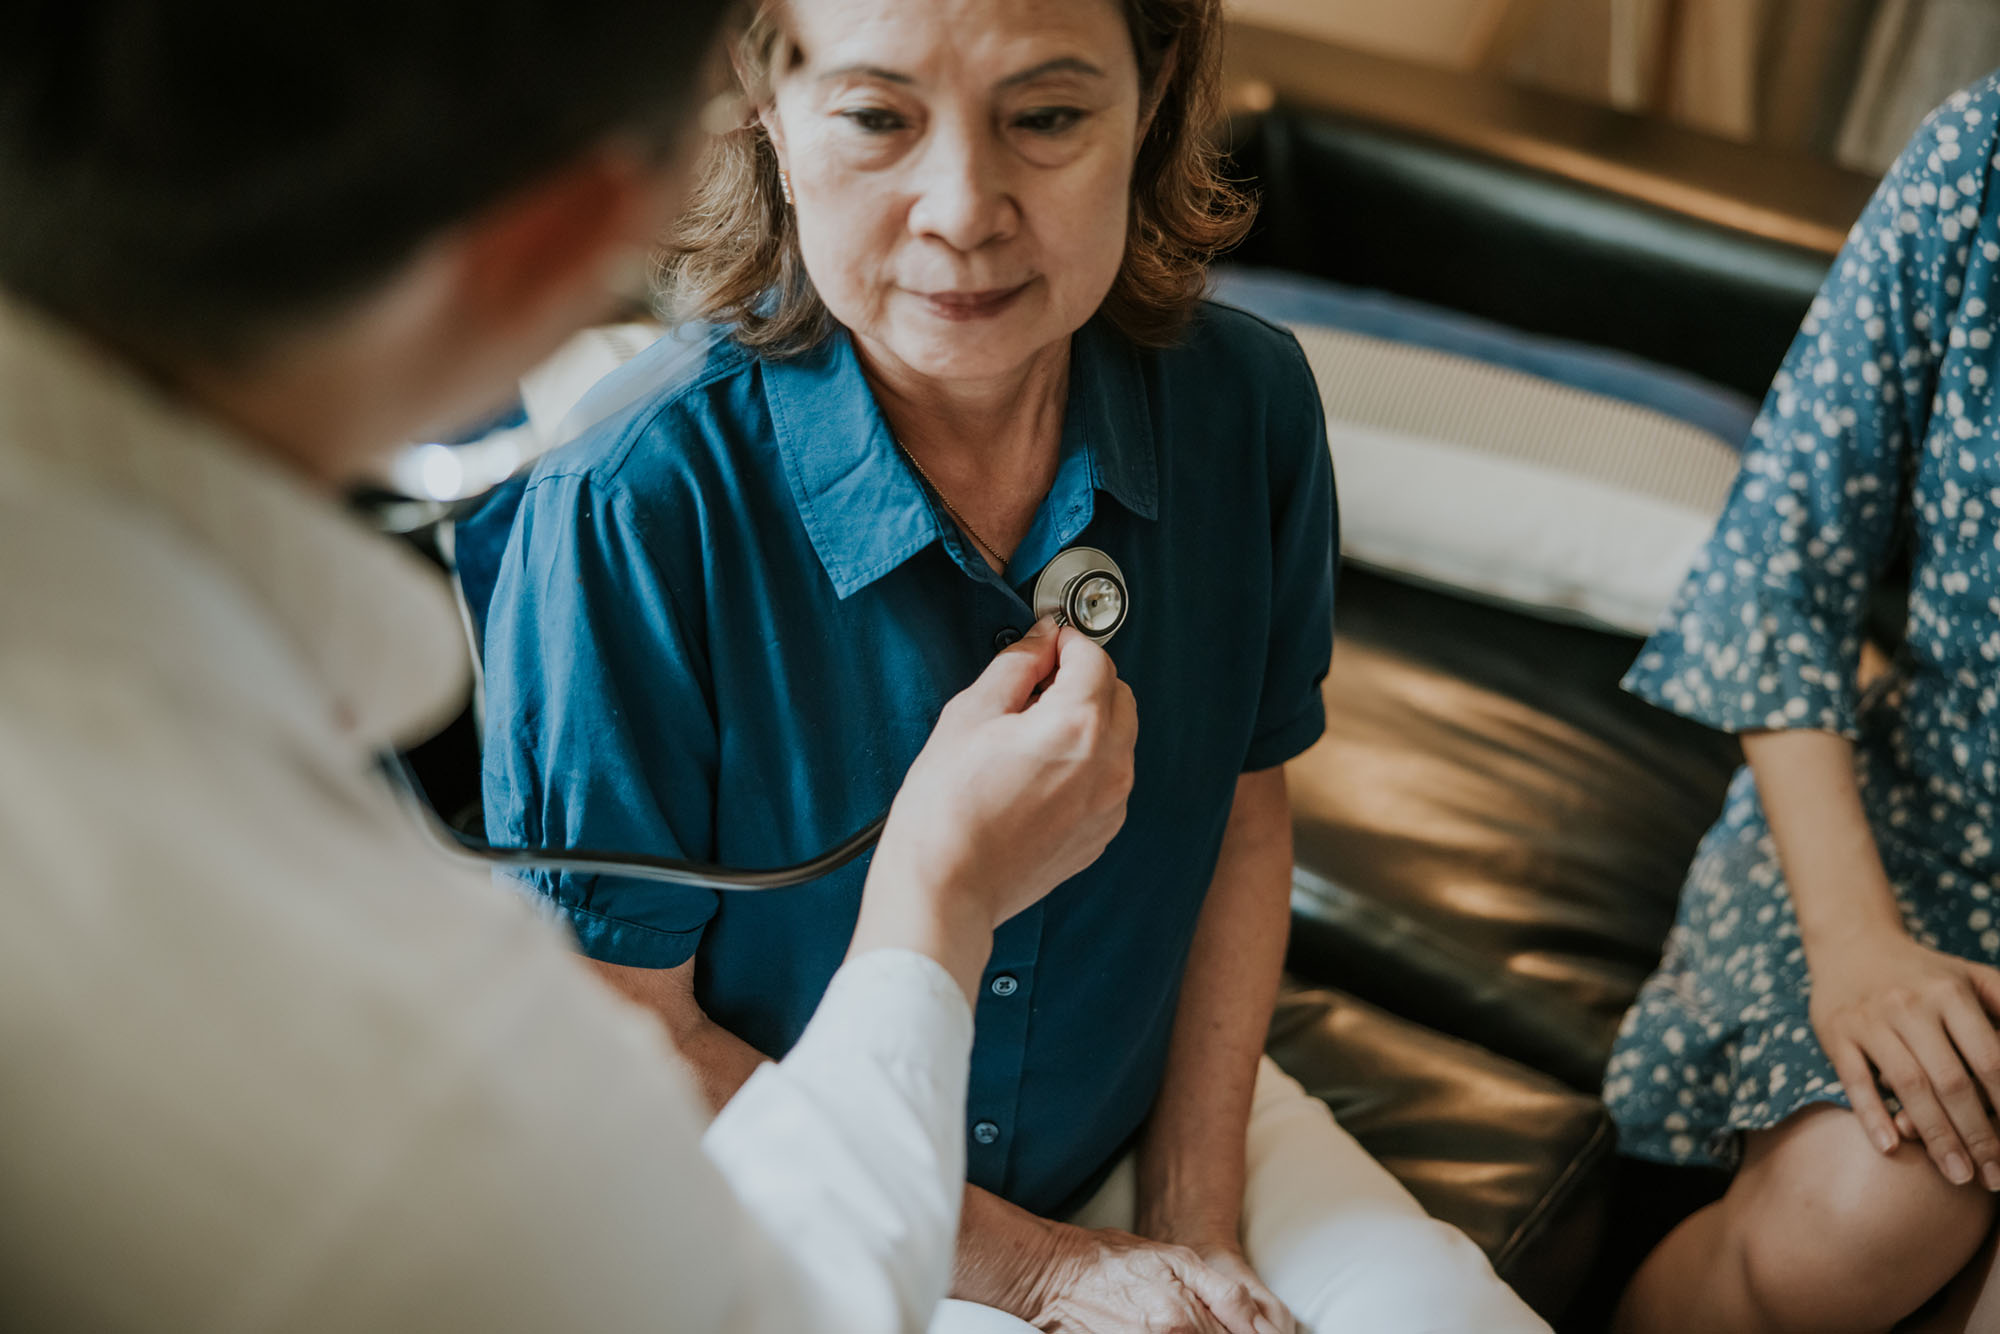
(1509, 486)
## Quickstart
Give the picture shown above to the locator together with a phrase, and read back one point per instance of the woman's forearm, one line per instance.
(1833, 868)
(720, 1061)
(1191, 1159)
(1003, 1253)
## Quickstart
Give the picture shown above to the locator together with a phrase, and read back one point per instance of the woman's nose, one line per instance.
(961, 196)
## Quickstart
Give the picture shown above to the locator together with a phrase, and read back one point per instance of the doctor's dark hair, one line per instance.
(187, 177)
(736, 260)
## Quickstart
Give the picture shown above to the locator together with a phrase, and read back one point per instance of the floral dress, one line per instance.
(1879, 439)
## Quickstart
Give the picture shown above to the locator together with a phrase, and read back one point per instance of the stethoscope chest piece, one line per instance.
(1083, 587)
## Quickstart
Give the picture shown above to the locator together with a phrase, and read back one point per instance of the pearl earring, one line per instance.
(785, 184)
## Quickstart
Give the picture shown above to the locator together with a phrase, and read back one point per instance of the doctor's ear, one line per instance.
(566, 244)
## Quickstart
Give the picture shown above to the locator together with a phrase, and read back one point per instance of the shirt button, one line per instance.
(1005, 638)
(986, 1132)
(1006, 984)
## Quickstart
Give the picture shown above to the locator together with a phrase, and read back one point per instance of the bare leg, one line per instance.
(1972, 1303)
(1819, 1232)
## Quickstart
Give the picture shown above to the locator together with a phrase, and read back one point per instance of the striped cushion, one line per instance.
(1459, 467)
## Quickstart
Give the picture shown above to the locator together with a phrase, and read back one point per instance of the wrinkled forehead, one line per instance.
(986, 43)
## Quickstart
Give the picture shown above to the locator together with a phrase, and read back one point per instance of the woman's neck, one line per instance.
(989, 447)
(976, 431)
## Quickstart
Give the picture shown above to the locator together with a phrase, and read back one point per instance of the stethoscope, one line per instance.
(1082, 587)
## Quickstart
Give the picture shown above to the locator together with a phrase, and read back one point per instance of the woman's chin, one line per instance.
(970, 351)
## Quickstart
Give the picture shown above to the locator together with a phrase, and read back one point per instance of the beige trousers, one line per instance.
(1329, 1231)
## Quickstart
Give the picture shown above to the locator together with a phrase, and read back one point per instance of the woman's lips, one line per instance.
(972, 305)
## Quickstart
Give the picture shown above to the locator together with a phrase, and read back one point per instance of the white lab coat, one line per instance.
(269, 1062)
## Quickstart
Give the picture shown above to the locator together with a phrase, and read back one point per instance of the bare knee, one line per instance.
(1829, 1234)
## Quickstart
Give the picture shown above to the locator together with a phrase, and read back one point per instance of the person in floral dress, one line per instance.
(1822, 1022)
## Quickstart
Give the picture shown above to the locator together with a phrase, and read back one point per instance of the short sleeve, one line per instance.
(1766, 631)
(599, 730)
(1291, 714)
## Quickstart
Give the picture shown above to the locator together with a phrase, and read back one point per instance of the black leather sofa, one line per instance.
(1491, 838)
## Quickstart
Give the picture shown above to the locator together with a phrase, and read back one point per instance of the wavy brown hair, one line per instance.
(735, 257)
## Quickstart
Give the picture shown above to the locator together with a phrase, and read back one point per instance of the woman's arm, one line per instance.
(1832, 866)
(1881, 1003)
(720, 1061)
(1191, 1160)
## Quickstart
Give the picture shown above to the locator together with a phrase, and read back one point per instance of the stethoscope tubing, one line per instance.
(628, 865)
(1052, 598)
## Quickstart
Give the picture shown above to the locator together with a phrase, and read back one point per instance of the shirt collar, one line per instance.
(864, 508)
(367, 617)
(1111, 419)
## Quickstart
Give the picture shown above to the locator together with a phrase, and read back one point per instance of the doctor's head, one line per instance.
(339, 225)
(969, 181)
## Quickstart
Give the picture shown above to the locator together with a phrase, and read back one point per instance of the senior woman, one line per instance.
(954, 268)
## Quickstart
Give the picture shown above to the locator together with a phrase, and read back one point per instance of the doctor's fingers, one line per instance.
(1125, 714)
(1009, 682)
(1083, 668)
(1100, 726)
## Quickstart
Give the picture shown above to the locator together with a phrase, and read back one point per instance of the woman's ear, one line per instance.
(774, 129)
(761, 86)
(1150, 98)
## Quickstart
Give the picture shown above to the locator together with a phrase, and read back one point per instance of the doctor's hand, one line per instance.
(1022, 784)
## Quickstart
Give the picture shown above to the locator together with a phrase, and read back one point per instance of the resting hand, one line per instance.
(1024, 780)
(1230, 1262)
(1109, 1282)
(1885, 1006)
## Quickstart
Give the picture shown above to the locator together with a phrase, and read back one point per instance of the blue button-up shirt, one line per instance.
(726, 620)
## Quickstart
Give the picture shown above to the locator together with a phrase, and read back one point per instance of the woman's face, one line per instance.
(961, 170)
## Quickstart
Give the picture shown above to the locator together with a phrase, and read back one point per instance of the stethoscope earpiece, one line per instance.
(1084, 588)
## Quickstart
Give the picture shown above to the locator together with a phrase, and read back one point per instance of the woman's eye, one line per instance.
(1048, 120)
(874, 120)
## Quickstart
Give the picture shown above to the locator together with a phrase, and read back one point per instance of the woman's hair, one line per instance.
(735, 257)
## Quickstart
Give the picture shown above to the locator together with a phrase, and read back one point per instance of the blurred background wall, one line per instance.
(1847, 80)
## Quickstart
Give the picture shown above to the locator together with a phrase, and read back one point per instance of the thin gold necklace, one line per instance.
(991, 551)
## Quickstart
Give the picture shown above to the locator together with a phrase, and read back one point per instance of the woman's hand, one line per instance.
(1885, 1006)
(1228, 1260)
(1882, 1005)
(1101, 1281)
